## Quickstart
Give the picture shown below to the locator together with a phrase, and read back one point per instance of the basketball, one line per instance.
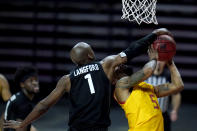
(166, 47)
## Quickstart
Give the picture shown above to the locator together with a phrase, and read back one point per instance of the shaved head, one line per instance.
(82, 53)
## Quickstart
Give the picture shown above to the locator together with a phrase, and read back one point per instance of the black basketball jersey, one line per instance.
(89, 97)
(18, 107)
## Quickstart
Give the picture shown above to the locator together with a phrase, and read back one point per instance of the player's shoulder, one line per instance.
(16, 98)
(2, 78)
(108, 58)
(144, 85)
(108, 61)
(12, 101)
(65, 82)
(65, 78)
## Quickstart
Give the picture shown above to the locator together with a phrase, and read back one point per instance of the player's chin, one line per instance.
(36, 89)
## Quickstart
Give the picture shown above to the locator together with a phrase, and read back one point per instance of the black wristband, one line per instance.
(139, 47)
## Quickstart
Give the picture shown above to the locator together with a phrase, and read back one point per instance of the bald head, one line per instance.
(82, 53)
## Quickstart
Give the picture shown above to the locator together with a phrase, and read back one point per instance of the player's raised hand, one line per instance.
(152, 53)
(12, 124)
(162, 31)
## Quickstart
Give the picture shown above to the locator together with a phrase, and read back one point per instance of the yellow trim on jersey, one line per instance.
(141, 85)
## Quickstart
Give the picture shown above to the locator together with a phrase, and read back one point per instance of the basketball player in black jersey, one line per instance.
(88, 86)
(21, 103)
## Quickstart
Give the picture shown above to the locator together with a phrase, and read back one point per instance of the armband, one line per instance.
(122, 54)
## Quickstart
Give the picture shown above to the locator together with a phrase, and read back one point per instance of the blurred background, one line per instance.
(42, 32)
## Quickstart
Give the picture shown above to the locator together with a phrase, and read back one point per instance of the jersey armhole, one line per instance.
(119, 102)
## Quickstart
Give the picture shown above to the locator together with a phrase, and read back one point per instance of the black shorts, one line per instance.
(167, 121)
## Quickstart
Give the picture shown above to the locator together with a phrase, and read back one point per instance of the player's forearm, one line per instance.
(6, 94)
(21, 129)
(174, 87)
(139, 47)
(143, 74)
(175, 76)
(149, 68)
(48, 102)
(176, 102)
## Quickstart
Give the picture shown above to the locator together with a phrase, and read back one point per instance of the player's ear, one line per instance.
(91, 56)
(22, 84)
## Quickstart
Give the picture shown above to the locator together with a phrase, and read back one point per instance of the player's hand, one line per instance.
(162, 31)
(152, 53)
(12, 124)
(170, 62)
(173, 116)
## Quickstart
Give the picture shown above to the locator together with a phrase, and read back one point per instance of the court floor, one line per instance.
(56, 119)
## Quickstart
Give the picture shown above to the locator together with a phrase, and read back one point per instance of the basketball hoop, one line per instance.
(139, 11)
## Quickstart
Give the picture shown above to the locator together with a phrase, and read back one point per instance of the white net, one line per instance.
(139, 11)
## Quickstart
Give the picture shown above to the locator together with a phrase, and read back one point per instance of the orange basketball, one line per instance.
(166, 47)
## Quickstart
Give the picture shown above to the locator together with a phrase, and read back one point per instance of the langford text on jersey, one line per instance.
(85, 69)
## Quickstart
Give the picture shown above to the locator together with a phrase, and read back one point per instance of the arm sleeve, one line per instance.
(139, 47)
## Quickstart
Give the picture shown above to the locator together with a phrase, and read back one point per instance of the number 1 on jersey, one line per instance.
(90, 83)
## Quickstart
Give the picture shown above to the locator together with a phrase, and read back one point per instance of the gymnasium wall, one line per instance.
(41, 33)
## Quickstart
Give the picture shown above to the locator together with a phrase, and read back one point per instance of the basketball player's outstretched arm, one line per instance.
(141, 46)
(136, 48)
(141, 75)
(5, 93)
(175, 102)
(176, 84)
(125, 83)
(62, 86)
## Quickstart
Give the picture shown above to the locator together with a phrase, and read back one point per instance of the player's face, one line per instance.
(31, 84)
(118, 74)
(161, 64)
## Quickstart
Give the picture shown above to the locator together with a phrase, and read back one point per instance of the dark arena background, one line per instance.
(42, 32)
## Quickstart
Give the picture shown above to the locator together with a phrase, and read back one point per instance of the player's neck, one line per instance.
(158, 71)
(85, 62)
(30, 96)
